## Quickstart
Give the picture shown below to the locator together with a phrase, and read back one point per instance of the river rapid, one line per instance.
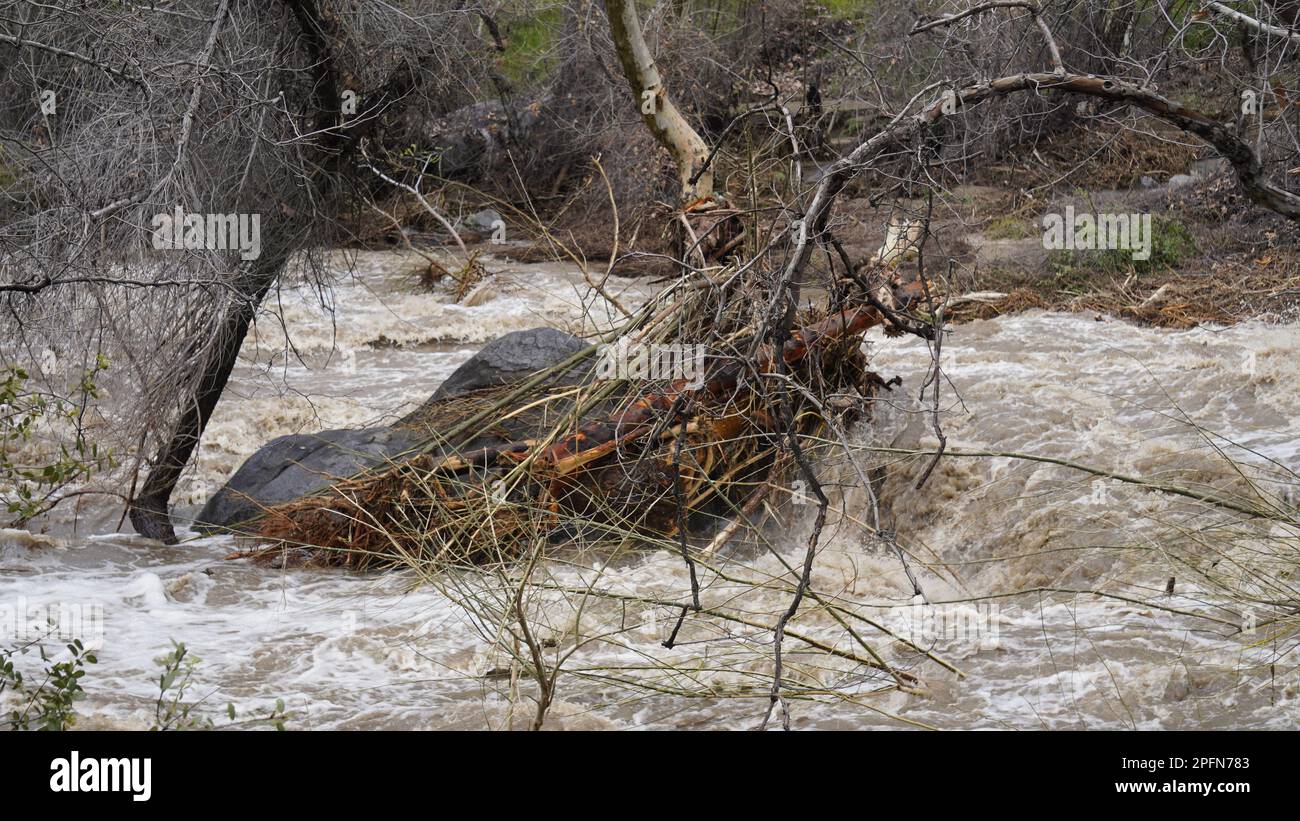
(1008, 552)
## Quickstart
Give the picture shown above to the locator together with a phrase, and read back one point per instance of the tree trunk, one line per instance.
(149, 508)
(663, 119)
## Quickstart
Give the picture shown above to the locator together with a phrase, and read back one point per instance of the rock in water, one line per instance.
(297, 465)
(508, 359)
(483, 222)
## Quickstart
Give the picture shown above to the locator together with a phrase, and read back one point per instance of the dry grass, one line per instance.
(619, 458)
(1234, 293)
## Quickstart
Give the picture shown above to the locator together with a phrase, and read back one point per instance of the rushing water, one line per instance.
(1005, 536)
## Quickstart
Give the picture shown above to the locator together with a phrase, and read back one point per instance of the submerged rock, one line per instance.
(297, 465)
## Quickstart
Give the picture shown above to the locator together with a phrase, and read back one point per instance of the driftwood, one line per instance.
(708, 232)
(668, 452)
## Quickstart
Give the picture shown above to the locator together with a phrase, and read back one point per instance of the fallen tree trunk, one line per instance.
(811, 230)
(1219, 136)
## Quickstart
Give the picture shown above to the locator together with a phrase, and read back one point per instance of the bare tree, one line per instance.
(670, 128)
(231, 108)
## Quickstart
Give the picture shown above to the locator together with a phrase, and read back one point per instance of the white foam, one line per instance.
(354, 651)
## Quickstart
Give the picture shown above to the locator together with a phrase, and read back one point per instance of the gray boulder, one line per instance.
(298, 465)
(483, 222)
(1204, 169)
(471, 140)
(508, 359)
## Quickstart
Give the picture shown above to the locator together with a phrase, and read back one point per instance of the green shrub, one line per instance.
(1172, 243)
(27, 490)
(49, 704)
(173, 712)
(1007, 228)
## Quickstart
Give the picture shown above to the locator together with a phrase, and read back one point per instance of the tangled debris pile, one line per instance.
(716, 427)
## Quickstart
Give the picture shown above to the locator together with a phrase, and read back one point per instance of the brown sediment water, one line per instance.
(1004, 538)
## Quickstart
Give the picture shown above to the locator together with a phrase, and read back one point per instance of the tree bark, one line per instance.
(669, 127)
(149, 508)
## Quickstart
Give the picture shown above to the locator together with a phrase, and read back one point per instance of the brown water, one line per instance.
(993, 532)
